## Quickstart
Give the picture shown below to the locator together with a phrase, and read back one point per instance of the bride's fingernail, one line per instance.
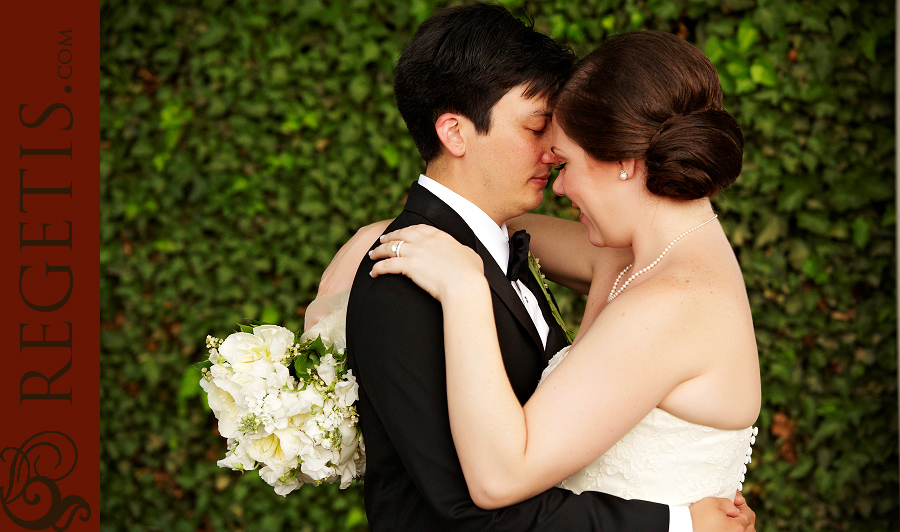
(381, 238)
(370, 253)
(371, 273)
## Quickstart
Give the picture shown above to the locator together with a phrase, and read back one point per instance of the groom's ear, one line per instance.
(449, 128)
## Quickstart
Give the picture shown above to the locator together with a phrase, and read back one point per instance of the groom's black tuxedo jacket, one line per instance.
(395, 346)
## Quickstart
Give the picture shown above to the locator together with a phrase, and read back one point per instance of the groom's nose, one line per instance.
(548, 157)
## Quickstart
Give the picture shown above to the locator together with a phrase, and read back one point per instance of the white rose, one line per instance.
(266, 449)
(271, 473)
(291, 404)
(277, 338)
(273, 478)
(326, 369)
(283, 488)
(312, 429)
(262, 369)
(315, 466)
(349, 442)
(294, 444)
(219, 371)
(222, 404)
(347, 390)
(227, 383)
(243, 378)
(305, 399)
(347, 470)
(281, 376)
(237, 458)
(268, 342)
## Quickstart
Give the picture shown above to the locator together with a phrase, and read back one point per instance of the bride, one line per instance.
(657, 394)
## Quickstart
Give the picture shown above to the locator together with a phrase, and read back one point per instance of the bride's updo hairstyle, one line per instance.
(653, 95)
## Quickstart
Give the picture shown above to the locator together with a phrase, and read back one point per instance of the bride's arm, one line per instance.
(508, 452)
(339, 274)
(567, 256)
(591, 400)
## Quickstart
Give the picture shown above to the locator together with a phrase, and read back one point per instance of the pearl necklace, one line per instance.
(613, 293)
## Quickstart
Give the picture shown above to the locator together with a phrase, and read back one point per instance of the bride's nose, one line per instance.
(558, 187)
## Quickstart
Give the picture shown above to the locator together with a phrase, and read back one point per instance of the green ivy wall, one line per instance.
(243, 142)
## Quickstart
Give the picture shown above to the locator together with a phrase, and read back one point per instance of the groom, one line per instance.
(473, 87)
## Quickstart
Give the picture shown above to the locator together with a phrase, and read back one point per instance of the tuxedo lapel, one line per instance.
(429, 206)
(501, 286)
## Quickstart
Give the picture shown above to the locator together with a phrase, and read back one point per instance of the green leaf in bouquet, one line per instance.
(190, 384)
(190, 387)
(301, 365)
(318, 347)
(203, 364)
(246, 328)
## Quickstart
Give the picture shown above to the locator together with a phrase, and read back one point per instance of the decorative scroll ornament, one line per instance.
(34, 469)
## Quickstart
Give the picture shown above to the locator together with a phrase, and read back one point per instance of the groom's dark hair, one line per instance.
(463, 59)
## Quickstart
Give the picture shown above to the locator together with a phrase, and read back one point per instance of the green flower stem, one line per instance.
(536, 271)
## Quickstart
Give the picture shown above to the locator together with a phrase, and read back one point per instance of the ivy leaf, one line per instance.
(270, 314)
(867, 44)
(608, 23)
(862, 232)
(390, 155)
(359, 87)
(768, 21)
(747, 35)
(763, 73)
(770, 232)
(714, 49)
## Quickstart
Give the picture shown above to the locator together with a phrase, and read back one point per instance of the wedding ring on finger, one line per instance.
(395, 247)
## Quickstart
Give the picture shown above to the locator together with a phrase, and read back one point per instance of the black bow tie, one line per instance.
(517, 270)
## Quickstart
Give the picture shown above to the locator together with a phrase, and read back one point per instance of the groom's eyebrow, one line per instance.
(545, 113)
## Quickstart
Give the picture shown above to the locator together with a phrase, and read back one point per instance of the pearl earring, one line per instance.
(623, 175)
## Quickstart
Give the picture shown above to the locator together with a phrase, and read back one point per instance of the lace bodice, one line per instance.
(667, 459)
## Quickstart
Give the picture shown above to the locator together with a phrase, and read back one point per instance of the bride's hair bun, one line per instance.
(653, 95)
(694, 155)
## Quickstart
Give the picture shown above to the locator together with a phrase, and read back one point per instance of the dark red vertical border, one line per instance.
(49, 266)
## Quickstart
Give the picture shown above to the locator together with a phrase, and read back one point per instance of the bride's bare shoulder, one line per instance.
(686, 296)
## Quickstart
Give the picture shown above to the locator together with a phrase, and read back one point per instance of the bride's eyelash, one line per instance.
(560, 167)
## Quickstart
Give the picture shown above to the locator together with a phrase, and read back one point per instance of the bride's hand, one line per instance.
(431, 258)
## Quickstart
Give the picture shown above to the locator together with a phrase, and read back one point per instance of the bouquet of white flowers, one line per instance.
(286, 406)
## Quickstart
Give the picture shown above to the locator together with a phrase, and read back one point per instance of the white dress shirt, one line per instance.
(496, 239)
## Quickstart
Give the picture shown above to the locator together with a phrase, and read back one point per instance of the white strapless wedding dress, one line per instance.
(666, 459)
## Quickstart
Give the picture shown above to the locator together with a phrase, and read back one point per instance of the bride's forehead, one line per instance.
(560, 140)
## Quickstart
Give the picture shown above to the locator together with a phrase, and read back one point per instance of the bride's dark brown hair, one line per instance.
(653, 95)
